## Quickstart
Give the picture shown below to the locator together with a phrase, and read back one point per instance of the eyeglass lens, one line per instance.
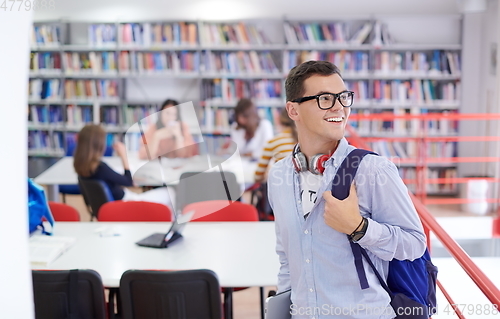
(327, 100)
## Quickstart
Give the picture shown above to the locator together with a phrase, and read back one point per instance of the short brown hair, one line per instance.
(294, 84)
(242, 105)
(89, 149)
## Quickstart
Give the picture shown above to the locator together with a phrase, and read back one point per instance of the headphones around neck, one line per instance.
(300, 163)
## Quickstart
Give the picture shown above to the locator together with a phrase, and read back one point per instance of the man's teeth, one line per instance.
(334, 119)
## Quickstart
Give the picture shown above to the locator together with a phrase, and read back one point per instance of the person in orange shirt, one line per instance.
(278, 147)
(169, 137)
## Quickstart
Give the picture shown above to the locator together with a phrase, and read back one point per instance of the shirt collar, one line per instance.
(340, 153)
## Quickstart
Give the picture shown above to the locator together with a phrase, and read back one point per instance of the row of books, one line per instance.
(89, 62)
(45, 141)
(240, 62)
(102, 35)
(310, 33)
(408, 149)
(437, 62)
(110, 115)
(416, 91)
(77, 115)
(158, 34)
(144, 113)
(39, 89)
(232, 34)
(409, 175)
(45, 62)
(349, 62)
(232, 90)
(39, 114)
(144, 62)
(91, 89)
(45, 35)
(403, 127)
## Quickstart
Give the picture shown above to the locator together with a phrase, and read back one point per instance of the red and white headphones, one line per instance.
(316, 167)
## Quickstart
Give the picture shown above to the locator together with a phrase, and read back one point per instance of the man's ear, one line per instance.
(291, 108)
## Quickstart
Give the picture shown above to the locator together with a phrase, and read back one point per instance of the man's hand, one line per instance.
(342, 215)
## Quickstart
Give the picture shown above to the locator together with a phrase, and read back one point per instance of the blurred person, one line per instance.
(88, 164)
(169, 137)
(278, 147)
(249, 131)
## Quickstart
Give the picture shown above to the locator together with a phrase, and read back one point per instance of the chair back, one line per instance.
(63, 212)
(203, 186)
(496, 227)
(95, 193)
(222, 211)
(134, 211)
(170, 294)
(63, 294)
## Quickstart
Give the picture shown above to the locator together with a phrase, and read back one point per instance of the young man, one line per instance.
(311, 225)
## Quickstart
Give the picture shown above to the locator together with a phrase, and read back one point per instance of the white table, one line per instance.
(148, 173)
(242, 254)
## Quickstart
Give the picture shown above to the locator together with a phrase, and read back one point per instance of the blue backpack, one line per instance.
(410, 284)
(38, 208)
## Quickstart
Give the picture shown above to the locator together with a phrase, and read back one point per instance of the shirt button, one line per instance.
(306, 232)
(311, 290)
(308, 261)
(298, 202)
(335, 165)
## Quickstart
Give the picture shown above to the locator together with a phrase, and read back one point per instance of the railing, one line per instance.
(416, 129)
(430, 224)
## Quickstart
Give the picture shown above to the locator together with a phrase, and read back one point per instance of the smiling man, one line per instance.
(317, 263)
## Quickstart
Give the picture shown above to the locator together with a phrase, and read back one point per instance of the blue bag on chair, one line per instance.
(410, 284)
(38, 208)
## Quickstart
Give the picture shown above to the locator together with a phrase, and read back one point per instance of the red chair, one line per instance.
(134, 211)
(63, 212)
(496, 227)
(223, 211)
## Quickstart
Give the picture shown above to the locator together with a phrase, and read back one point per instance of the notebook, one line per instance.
(162, 240)
(278, 306)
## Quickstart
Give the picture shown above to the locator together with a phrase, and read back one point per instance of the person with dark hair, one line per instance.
(88, 164)
(278, 147)
(170, 136)
(314, 229)
(249, 131)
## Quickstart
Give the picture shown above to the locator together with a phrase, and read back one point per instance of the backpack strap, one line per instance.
(341, 186)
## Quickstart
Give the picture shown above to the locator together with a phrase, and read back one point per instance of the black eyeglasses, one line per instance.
(327, 100)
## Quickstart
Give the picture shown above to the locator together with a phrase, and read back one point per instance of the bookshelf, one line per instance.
(117, 73)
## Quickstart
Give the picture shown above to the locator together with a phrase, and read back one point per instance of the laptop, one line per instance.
(279, 306)
(161, 240)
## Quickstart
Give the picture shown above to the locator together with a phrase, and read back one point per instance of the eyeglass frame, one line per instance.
(335, 95)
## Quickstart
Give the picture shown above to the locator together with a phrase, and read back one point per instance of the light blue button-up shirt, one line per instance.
(317, 262)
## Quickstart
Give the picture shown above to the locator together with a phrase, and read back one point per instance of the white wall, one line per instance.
(15, 275)
(109, 10)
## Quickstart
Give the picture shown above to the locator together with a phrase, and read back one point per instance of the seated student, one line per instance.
(278, 147)
(87, 163)
(249, 131)
(169, 137)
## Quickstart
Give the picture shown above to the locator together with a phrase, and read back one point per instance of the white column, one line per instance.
(16, 297)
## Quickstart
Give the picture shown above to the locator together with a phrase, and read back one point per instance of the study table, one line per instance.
(148, 173)
(242, 254)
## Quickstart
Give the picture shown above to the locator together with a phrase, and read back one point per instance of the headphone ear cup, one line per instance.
(300, 162)
(317, 163)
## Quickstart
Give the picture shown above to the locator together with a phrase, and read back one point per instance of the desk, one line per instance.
(147, 173)
(242, 254)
